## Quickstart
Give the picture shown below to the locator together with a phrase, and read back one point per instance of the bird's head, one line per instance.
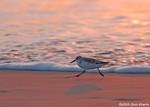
(78, 58)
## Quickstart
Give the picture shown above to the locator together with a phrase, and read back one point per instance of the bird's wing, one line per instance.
(91, 60)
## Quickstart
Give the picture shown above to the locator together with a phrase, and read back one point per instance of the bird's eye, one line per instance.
(77, 58)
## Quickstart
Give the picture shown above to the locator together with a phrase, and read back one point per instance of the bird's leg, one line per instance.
(100, 72)
(79, 74)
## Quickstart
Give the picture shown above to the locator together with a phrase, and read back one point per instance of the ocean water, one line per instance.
(54, 32)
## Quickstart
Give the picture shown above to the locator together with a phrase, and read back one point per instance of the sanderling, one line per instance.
(88, 63)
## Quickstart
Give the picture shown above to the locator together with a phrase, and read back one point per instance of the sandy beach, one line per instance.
(55, 89)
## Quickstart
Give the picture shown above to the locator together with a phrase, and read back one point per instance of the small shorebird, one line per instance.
(88, 63)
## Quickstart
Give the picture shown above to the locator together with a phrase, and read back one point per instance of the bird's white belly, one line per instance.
(86, 65)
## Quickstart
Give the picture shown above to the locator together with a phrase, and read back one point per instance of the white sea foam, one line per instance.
(57, 67)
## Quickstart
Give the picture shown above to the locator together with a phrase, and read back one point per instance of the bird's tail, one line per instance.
(104, 63)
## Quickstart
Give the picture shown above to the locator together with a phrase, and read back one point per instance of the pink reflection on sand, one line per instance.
(37, 89)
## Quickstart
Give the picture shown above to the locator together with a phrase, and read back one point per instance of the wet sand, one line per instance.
(55, 89)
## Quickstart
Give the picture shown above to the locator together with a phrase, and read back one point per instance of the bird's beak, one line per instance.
(72, 61)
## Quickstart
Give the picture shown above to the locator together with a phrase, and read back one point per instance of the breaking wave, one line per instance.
(69, 68)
